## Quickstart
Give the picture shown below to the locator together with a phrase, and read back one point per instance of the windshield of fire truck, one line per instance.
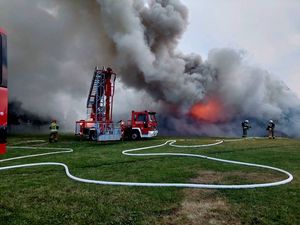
(152, 117)
(3, 61)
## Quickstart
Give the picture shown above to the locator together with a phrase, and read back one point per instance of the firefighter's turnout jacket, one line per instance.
(246, 125)
(271, 126)
(53, 127)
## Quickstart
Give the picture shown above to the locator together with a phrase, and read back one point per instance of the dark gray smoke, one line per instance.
(53, 47)
(23, 121)
(56, 44)
(145, 39)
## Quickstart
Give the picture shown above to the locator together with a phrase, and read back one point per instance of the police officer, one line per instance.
(245, 126)
(270, 129)
(53, 131)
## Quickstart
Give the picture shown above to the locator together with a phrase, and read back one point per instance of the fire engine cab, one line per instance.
(142, 125)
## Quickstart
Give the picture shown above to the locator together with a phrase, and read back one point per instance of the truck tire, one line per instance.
(93, 135)
(135, 135)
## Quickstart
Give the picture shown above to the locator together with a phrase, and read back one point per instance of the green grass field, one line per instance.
(45, 195)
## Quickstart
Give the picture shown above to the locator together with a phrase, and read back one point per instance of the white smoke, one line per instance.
(56, 44)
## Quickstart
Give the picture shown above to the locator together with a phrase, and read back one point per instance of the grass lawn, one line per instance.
(45, 195)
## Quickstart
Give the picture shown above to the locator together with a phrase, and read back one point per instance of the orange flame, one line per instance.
(210, 111)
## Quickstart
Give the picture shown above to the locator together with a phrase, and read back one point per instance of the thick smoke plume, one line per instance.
(58, 43)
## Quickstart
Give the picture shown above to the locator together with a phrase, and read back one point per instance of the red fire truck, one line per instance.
(3, 91)
(99, 125)
(142, 125)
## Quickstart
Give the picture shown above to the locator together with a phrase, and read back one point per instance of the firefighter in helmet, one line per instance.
(108, 73)
(245, 126)
(123, 128)
(270, 129)
(53, 131)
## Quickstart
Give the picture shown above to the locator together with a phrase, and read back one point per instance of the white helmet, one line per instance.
(271, 121)
(246, 121)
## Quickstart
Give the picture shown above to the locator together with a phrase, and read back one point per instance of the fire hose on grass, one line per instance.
(129, 152)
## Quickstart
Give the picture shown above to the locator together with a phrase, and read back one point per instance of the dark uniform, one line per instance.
(270, 129)
(245, 126)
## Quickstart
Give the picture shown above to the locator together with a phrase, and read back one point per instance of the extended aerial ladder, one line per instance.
(100, 125)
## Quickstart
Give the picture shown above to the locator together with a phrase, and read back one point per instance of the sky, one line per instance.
(267, 31)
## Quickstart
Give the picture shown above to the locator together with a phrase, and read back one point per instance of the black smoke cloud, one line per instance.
(17, 116)
(56, 44)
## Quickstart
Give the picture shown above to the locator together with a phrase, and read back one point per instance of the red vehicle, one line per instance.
(99, 125)
(3, 91)
(142, 125)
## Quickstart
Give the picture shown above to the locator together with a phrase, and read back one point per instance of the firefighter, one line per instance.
(53, 131)
(245, 126)
(270, 129)
(108, 73)
(123, 127)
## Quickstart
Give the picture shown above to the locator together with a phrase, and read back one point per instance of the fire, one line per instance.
(210, 111)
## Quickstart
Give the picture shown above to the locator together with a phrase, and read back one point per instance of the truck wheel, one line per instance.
(93, 136)
(135, 135)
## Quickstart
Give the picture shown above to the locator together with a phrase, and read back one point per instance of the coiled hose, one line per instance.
(129, 152)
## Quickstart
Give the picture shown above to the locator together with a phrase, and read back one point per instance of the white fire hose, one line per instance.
(129, 153)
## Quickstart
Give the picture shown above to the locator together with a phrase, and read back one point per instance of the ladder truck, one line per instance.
(99, 126)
